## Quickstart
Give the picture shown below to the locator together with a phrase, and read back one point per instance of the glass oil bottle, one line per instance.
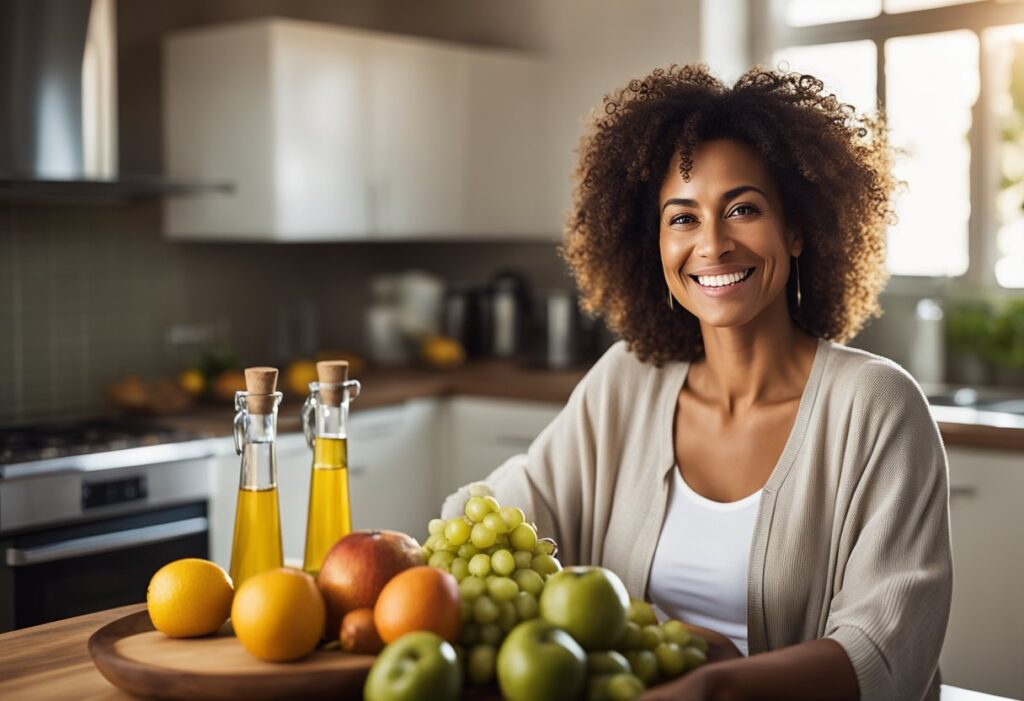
(256, 546)
(325, 423)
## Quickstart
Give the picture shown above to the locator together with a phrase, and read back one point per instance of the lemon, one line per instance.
(189, 597)
(442, 352)
(298, 375)
(192, 381)
(279, 615)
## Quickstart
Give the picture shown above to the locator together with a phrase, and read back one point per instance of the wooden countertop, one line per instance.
(509, 381)
(51, 662)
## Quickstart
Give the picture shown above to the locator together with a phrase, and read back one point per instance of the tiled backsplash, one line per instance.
(90, 294)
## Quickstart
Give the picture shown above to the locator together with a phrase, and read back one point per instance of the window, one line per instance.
(950, 76)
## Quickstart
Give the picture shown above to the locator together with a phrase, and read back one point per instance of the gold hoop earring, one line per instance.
(799, 296)
(671, 302)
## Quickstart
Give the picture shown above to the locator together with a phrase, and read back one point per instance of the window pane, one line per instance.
(931, 84)
(909, 5)
(800, 13)
(1005, 47)
(847, 69)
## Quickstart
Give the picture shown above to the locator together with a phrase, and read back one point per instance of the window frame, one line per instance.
(772, 32)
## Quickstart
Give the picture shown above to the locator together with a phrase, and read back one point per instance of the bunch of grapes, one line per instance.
(501, 566)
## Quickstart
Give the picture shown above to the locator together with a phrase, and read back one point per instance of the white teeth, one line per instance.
(721, 280)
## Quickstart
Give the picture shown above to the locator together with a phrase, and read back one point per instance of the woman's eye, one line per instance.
(681, 219)
(750, 209)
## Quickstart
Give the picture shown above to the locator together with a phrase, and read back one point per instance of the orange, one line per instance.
(419, 598)
(189, 597)
(278, 615)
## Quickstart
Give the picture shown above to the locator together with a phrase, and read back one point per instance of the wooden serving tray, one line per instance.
(137, 658)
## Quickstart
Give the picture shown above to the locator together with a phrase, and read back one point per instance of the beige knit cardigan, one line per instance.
(851, 540)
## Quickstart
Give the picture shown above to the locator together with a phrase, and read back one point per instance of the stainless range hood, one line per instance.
(58, 107)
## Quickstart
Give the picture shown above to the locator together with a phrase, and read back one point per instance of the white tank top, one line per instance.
(699, 573)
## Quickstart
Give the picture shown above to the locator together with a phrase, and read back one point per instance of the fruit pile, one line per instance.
(542, 631)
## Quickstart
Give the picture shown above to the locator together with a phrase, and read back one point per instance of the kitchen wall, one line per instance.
(90, 294)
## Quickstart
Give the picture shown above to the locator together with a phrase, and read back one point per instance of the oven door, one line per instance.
(72, 570)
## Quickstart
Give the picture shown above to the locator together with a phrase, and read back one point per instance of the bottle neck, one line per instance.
(332, 421)
(259, 453)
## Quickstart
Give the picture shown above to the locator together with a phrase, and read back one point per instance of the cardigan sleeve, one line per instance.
(894, 593)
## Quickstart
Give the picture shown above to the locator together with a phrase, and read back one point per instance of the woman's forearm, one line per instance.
(817, 670)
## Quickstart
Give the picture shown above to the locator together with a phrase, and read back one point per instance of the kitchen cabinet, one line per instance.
(484, 433)
(984, 643)
(332, 133)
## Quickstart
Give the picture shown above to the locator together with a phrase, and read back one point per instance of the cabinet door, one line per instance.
(483, 433)
(984, 643)
(504, 147)
(294, 462)
(417, 138)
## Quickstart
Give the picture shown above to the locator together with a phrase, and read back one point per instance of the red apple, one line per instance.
(358, 567)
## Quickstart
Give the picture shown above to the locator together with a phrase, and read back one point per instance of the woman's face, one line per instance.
(726, 221)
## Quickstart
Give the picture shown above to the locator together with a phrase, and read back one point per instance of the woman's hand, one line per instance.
(697, 685)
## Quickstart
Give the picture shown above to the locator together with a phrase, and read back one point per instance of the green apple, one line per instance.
(419, 666)
(590, 603)
(539, 662)
(607, 662)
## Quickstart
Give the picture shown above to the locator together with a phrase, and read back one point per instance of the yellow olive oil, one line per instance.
(329, 517)
(257, 543)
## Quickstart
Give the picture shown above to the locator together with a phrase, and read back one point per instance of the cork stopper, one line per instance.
(260, 383)
(332, 372)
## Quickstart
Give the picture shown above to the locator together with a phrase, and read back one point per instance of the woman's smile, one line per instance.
(722, 285)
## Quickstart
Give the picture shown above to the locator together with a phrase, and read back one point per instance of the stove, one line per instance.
(45, 442)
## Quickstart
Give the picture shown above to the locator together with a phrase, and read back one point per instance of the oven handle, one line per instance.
(106, 542)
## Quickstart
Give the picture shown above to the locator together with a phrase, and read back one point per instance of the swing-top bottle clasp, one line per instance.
(350, 390)
(241, 420)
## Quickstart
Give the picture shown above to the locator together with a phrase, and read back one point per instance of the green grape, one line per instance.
(644, 665)
(671, 659)
(652, 637)
(503, 563)
(496, 523)
(545, 564)
(676, 632)
(470, 633)
(513, 516)
(436, 526)
(457, 531)
(492, 503)
(477, 508)
(480, 489)
(523, 559)
(526, 605)
(624, 687)
(523, 537)
(509, 617)
(632, 638)
(492, 634)
(480, 565)
(427, 552)
(607, 662)
(459, 568)
(529, 581)
(694, 657)
(544, 546)
(502, 539)
(466, 609)
(699, 642)
(482, 536)
(641, 613)
(467, 551)
(597, 687)
(442, 560)
(502, 588)
(495, 548)
(472, 588)
(481, 664)
(485, 610)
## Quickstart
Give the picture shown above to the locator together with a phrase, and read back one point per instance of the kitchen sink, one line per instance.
(980, 399)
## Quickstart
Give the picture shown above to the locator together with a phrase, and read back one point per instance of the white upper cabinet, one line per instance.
(331, 133)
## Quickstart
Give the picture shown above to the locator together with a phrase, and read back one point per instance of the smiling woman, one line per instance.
(730, 458)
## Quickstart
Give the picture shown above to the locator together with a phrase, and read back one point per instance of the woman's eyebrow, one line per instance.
(726, 196)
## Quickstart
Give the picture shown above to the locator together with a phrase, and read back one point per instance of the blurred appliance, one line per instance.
(58, 128)
(570, 338)
(510, 304)
(385, 342)
(928, 344)
(467, 319)
(89, 511)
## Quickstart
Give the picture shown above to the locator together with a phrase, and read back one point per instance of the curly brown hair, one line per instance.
(832, 167)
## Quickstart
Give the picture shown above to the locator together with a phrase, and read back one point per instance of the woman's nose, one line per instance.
(714, 239)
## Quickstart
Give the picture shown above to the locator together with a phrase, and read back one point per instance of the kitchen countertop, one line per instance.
(51, 661)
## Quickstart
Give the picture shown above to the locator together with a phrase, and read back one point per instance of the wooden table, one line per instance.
(51, 662)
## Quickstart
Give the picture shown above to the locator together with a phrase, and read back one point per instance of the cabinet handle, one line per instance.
(962, 490)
